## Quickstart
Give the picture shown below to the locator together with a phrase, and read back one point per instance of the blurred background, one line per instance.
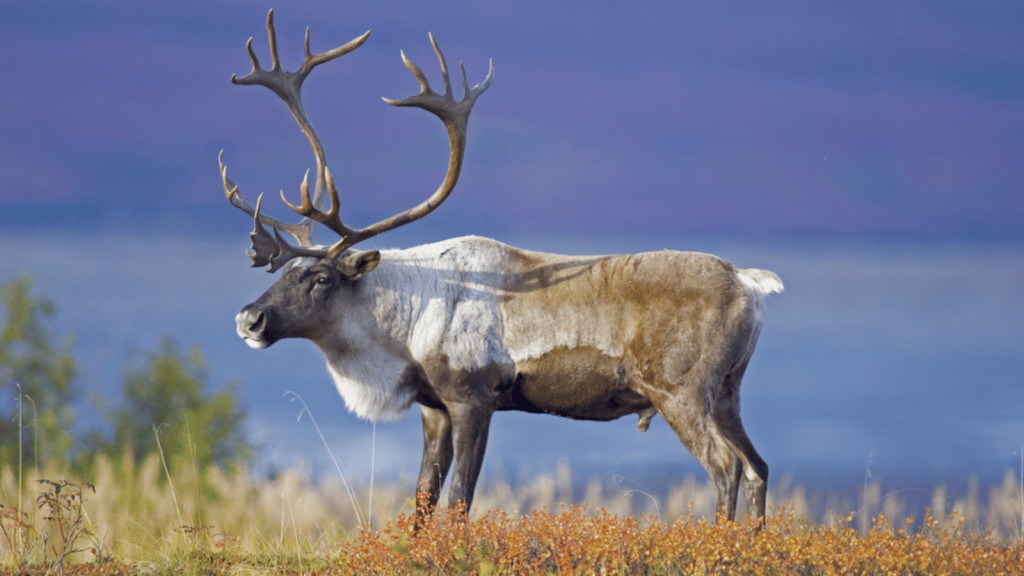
(868, 153)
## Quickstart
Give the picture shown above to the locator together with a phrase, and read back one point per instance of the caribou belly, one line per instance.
(582, 383)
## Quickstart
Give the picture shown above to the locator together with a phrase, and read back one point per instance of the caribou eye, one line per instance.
(323, 280)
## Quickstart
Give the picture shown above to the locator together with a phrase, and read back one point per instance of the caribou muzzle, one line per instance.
(252, 325)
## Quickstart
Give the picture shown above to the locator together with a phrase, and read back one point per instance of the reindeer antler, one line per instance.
(288, 86)
(274, 250)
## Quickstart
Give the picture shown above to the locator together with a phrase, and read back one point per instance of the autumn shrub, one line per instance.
(572, 541)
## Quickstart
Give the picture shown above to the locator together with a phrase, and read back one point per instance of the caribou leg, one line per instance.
(470, 424)
(686, 410)
(437, 453)
(727, 419)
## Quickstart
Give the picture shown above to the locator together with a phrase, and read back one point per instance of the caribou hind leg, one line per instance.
(727, 419)
(686, 410)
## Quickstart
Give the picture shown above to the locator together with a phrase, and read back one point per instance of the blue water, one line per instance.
(902, 359)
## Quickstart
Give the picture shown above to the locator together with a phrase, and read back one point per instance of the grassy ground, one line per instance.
(130, 519)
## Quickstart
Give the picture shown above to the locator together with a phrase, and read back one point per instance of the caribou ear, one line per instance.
(355, 265)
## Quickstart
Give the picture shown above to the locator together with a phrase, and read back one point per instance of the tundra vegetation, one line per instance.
(114, 503)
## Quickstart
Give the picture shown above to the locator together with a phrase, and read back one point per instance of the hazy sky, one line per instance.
(865, 118)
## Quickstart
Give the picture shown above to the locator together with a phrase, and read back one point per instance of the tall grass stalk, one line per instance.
(35, 438)
(195, 468)
(280, 533)
(337, 465)
(35, 434)
(21, 535)
(640, 489)
(869, 496)
(21, 403)
(373, 460)
(295, 528)
(170, 481)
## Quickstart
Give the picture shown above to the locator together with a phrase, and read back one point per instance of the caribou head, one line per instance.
(323, 270)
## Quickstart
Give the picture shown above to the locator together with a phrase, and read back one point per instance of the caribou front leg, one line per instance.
(437, 454)
(470, 424)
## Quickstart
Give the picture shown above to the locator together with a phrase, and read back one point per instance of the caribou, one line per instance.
(470, 326)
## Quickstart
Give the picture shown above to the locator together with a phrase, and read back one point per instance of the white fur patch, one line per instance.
(552, 333)
(750, 474)
(371, 388)
(763, 281)
(535, 323)
(421, 303)
(532, 331)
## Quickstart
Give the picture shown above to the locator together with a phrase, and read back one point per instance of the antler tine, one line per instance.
(264, 248)
(275, 62)
(444, 65)
(330, 218)
(315, 60)
(465, 84)
(252, 56)
(424, 84)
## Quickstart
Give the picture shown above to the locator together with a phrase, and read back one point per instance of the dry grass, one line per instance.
(138, 518)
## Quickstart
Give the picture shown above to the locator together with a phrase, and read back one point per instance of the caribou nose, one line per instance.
(251, 323)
